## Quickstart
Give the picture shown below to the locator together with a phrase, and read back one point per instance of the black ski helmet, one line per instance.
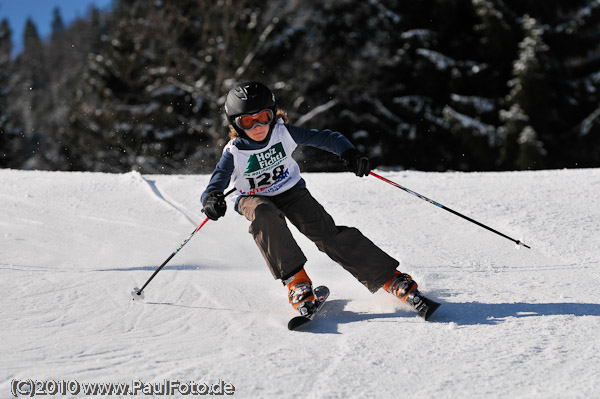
(249, 98)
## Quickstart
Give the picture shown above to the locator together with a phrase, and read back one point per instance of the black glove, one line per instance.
(214, 205)
(357, 162)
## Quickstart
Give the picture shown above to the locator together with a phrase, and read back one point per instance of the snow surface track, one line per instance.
(518, 324)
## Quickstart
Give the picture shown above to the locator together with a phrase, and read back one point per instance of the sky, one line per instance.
(41, 12)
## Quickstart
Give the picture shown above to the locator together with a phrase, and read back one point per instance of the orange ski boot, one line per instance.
(300, 292)
(400, 285)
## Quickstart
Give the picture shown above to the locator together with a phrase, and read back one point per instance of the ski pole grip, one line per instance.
(226, 194)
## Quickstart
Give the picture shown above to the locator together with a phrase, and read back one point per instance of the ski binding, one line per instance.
(424, 306)
(321, 294)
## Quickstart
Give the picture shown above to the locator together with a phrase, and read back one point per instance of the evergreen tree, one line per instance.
(65, 54)
(529, 98)
(432, 85)
(553, 86)
(576, 39)
(5, 44)
(32, 59)
(11, 135)
(28, 82)
(155, 85)
(57, 23)
(384, 73)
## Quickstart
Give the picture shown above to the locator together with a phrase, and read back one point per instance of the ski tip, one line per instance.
(137, 294)
(321, 292)
(296, 322)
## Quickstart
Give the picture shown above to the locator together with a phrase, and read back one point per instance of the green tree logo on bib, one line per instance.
(265, 160)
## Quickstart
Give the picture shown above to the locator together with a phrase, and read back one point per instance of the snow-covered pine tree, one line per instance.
(384, 71)
(576, 39)
(553, 85)
(152, 92)
(528, 100)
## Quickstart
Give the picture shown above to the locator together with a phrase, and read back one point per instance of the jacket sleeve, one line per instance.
(326, 140)
(221, 176)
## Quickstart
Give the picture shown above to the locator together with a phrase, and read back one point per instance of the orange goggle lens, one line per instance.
(249, 122)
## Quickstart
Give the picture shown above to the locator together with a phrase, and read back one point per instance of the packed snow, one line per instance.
(513, 323)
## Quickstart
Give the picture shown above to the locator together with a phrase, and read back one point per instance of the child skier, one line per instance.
(258, 159)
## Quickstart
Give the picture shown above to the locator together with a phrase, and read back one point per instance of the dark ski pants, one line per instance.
(345, 245)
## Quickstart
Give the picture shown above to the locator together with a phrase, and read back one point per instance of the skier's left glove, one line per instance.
(356, 162)
(214, 205)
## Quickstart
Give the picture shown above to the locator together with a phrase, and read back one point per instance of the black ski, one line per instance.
(321, 294)
(424, 306)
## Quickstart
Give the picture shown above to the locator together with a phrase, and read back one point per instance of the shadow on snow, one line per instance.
(333, 315)
(468, 313)
(473, 313)
(153, 268)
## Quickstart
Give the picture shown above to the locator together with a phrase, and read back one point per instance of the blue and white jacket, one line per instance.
(267, 168)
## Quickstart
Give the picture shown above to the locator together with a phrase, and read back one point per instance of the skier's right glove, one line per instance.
(214, 205)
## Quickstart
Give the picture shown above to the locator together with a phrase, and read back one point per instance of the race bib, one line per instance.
(267, 171)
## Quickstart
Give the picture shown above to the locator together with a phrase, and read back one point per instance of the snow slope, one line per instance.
(518, 324)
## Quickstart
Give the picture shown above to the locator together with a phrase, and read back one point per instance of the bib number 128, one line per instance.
(266, 178)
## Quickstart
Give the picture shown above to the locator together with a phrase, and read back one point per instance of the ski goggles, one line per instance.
(250, 121)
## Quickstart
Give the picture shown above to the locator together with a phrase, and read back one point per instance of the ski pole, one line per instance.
(137, 292)
(518, 242)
